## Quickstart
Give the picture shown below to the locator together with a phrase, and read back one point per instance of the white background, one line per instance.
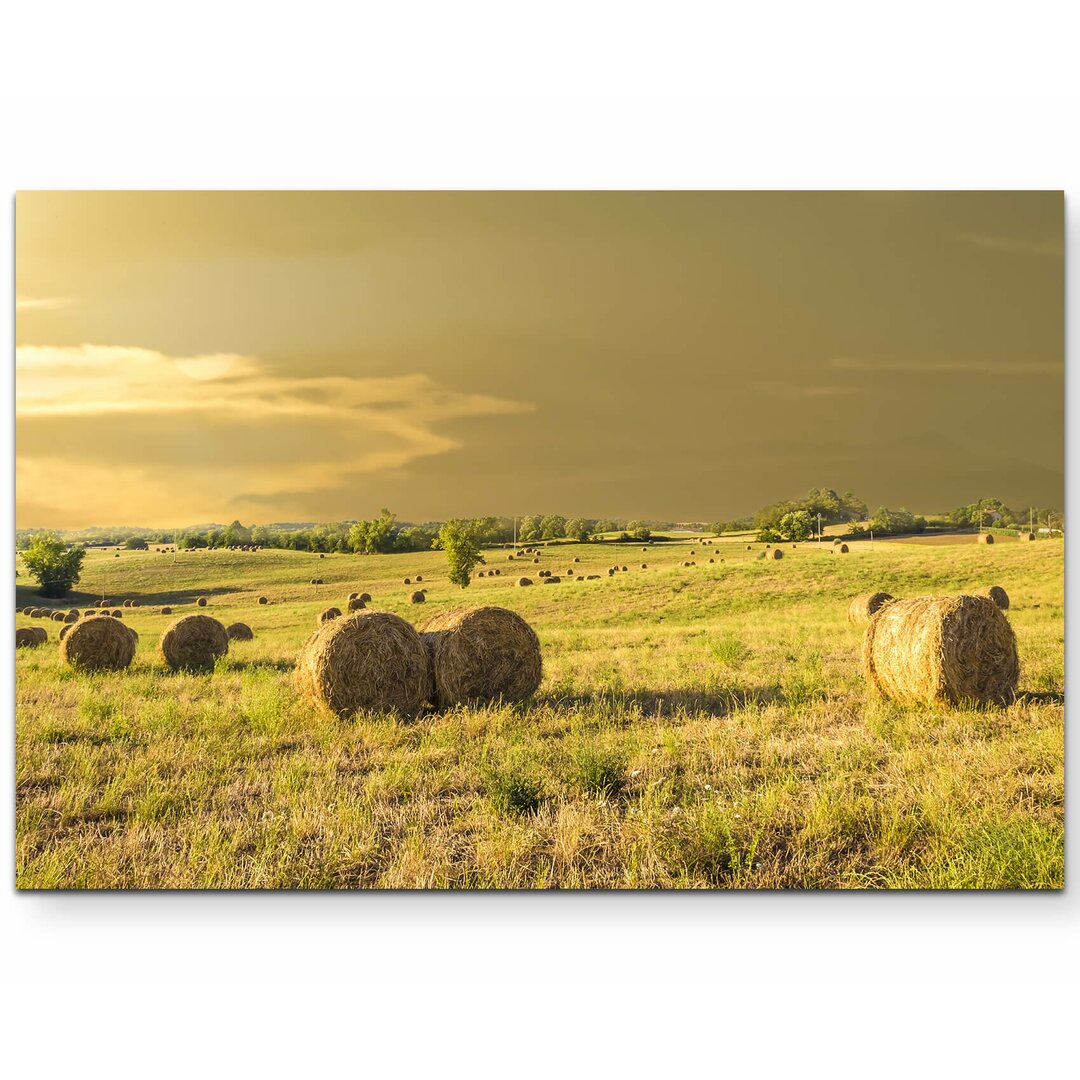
(420, 95)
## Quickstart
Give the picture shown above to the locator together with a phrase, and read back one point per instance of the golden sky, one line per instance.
(194, 357)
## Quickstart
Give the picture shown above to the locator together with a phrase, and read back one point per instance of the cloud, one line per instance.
(1052, 247)
(42, 303)
(790, 390)
(174, 439)
(948, 367)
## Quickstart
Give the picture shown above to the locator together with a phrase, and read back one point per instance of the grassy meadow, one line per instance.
(703, 726)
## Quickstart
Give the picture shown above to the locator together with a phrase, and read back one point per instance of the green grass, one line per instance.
(697, 727)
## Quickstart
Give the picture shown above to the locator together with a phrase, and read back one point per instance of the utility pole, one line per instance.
(819, 528)
(515, 534)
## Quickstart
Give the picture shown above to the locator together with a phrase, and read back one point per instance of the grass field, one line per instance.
(696, 727)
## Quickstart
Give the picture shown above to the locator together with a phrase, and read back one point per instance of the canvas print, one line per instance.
(539, 540)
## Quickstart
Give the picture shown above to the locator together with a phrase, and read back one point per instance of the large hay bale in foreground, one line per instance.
(482, 654)
(951, 649)
(239, 631)
(327, 615)
(26, 638)
(997, 594)
(193, 643)
(985, 538)
(862, 607)
(96, 644)
(370, 660)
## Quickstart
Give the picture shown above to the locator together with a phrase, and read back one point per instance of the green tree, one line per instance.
(638, 530)
(552, 527)
(54, 564)
(529, 529)
(797, 525)
(136, 543)
(460, 540)
(372, 537)
(580, 529)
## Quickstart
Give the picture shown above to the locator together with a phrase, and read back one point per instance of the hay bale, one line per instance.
(611, 572)
(366, 597)
(57, 616)
(42, 633)
(418, 597)
(370, 660)
(63, 630)
(549, 580)
(592, 577)
(263, 600)
(134, 603)
(356, 604)
(419, 578)
(202, 601)
(644, 566)
(117, 614)
(686, 562)
(353, 595)
(239, 631)
(843, 549)
(166, 611)
(862, 607)
(985, 538)
(749, 547)
(950, 649)
(482, 655)
(104, 603)
(624, 569)
(497, 573)
(327, 614)
(1024, 537)
(96, 644)
(117, 555)
(406, 581)
(26, 638)
(576, 559)
(997, 594)
(481, 574)
(70, 617)
(322, 556)
(536, 560)
(509, 558)
(774, 553)
(193, 643)
(523, 581)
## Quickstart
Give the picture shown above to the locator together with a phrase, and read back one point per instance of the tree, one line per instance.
(460, 540)
(796, 526)
(638, 530)
(54, 565)
(371, 537)
(552, 527)
(580, 529)
(136, 543)
(529, 529)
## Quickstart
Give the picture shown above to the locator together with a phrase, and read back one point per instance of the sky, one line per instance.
(191, 357)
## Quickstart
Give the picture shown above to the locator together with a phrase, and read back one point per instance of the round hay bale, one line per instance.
(97, 645)
(239, 631)
(862, 607)
(417, 597)
(497, 572)
(749, 547)
(509, 558)
(406, 581)
(482, 655)
(997, 594)
(481, 574)
(353, 595)
(950, 649)
(370, 660)
(166, 611)
(356, 604)
(592, 577)
(134, 604)
(263, 600)
(774, 553)
(986, 538)
(366, 597)
(692, 551)
(843, 549)
(549, 580)
(42, 633)
(419, 577)
(74, 611)
(686, 562)
(322, 556)
(117, 555)
(326, 615)
(644, 566)
(57, 616)
(536, 560)
(314, 581)
(117, 614)
(645, 548)
(712, 560)
(193, 643)
(523, 581)
(624, 569)
(576, 559)
(1024, 537)
(104, 603)
(26, 638)
(202, 601)
(71, 616)
(63, 630)
(611, 572)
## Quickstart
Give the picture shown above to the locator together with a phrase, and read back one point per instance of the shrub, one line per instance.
(53, 564)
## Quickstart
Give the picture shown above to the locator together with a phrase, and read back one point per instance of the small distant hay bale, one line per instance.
(843, 549)
(63, 631)
(353, 595)
(327, 614)
(134, 604)
(686, 562)
(997, 594)
(481, 574)
(366, 597)
(644, 566)
(104, 603)
(986, 538)
(692, 551)
(57, 616)
(862, 607)
(166, 611)
(580, 577)
(749, 547)
(117, 613)
(263, 600)
(952, 649)
(576, 559)
(322, 556)
(96, 644)
(1024, 537)
(592, 577)
(370, 660)
(774, 553)
(523, 581)
(544, 573)
(202, 601)
(356, 604)
(71, 617)
(419, 577)
(27, 638)
(624, 569)
(550, 580)
(497, 572)
(193, 643)
(239, 631)
(712, 560)
(644, 549)
(536, 560)
(406, 581)
(418, 597)
(611, 571)
(482, 655)
(117, 555)
(509, 558)
(42, 633)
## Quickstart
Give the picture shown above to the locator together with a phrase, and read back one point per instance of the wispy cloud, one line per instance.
(42, 303)
(947, 367)
(792, 390)
(1051, 247)
(224, 423)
